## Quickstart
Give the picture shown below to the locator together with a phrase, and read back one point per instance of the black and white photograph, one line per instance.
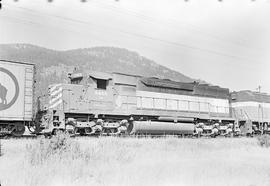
(134, 92)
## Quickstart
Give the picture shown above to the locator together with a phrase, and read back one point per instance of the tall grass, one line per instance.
(73, 161)
(67, 161)
(0, 148)
(264, 140)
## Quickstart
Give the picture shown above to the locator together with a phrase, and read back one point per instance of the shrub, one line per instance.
(264, 140)
(57, 147)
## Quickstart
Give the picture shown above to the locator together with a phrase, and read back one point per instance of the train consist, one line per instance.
(98, 103)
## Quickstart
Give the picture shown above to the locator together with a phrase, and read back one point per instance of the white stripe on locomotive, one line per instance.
(56, 91)
(53, 87)
(155, 100)
(250, 104)
(56, 104)
(56, 98)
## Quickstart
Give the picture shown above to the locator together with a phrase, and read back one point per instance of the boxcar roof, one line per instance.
(19, 62)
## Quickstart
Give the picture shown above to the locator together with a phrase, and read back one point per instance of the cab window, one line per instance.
(101, 84)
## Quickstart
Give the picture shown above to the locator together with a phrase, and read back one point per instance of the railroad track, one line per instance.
(34, 136)
(20, 137)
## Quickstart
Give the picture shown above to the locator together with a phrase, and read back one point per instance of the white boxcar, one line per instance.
(16, 93)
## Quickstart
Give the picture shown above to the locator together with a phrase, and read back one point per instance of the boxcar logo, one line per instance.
(4, 92)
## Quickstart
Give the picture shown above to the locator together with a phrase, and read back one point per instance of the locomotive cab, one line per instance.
(74, 106)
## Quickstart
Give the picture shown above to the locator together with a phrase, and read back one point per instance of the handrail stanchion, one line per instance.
(199, 108)
(209, 109)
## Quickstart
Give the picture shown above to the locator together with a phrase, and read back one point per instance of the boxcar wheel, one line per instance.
(18, 130)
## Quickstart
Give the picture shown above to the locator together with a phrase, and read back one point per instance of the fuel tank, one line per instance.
(160, 128)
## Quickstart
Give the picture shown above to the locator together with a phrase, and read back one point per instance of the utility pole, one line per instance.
(260, 107)
(259, 88)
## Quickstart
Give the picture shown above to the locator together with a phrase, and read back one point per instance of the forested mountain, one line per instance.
(52, 66)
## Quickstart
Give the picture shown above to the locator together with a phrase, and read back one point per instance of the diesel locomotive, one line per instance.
(99, 103)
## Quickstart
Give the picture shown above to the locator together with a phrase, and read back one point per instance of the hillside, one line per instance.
(52, 66)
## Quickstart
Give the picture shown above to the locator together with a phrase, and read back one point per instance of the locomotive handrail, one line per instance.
(167, 99)
(210, 108)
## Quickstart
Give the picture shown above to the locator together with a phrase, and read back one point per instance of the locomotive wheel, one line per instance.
(70, 128)
(18, 130)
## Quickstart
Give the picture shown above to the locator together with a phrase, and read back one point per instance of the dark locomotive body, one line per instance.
(253, 107)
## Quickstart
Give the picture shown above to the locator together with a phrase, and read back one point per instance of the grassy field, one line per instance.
(130, 161)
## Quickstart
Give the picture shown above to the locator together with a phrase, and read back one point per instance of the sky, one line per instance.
(226, 43)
